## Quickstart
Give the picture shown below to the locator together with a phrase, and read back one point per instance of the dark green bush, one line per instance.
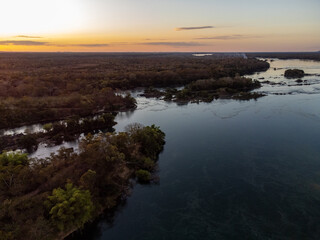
(143, 176)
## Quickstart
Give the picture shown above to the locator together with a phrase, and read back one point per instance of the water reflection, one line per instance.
(202, 54)
(23, 130)
(44, 150)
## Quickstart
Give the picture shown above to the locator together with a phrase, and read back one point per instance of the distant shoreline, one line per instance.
(280, 55)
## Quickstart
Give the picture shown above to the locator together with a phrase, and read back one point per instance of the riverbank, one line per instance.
(68, 189)
(114, 200)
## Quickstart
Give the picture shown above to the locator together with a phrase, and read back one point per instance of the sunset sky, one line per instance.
(160, 25)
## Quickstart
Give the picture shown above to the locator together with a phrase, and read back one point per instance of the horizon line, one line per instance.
(159, 52)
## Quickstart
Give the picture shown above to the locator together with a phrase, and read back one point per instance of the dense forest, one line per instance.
(27, 110)
(44, 87)
(47, 75)
(49, 198)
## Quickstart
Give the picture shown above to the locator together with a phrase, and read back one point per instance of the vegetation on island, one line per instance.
(207, 90)
(28, 110)
(50, 198)
(294, 73)
(57, 132)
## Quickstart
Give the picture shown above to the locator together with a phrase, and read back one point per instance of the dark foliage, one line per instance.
(209, 89)
(47, 198)
(294, 73)
(58, 132)
(42, 87)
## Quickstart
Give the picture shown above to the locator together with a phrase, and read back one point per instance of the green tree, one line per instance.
(69, 207)
(143, 176)
(88, 179)
(146, 163)
(13, 159)
(5, 235)
(14, 167)
(150, 138)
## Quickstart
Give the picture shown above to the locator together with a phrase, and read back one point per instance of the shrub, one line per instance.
(28, 141)
(14, 159)
(143, 176)
(147, 163)
(47, 127)
(88, 179)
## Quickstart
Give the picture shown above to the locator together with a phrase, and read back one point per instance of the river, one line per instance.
(230, 169)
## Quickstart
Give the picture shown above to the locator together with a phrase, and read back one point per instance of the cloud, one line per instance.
(23, 43)
(193, 28)
(228, 37)
(160, 39)
(96, 45)
(174, 44)
(38, 43)
(26, 36)
(90, 45)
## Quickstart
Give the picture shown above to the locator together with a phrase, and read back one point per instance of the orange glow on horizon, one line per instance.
(127, 26)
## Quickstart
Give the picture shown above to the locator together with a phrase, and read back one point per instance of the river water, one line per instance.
(230, 169)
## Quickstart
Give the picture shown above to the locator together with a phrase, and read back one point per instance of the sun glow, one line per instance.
(145, 25)
(41, 16)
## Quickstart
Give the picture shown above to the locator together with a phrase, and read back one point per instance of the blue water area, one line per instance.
(230, 170)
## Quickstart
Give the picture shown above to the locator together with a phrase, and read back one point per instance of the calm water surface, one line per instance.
(230, 169)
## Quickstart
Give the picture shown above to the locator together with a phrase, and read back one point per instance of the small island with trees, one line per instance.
(294, 73)
(206, 90)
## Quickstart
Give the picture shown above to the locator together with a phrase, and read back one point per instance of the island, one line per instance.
(294, 73)
(206, 90)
